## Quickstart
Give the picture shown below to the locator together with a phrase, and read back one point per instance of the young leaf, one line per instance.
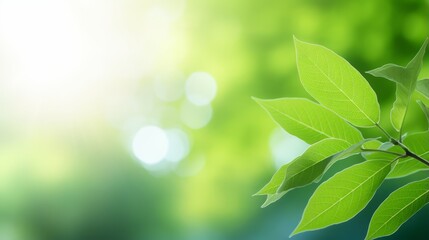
(344, 195)
(309, 121)
(424, 109)
(308, 167)
(419, 144)
(423, 87)
(400, 107)
(336, 84)
(398, 207)
(275, 182)
(405, 79)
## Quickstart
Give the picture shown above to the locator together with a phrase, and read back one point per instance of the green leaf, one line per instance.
(372, 144)
(270, 189)
(275, 182)
(352, 150)
(424, 109)
(336, 84)
(419, 144)
(405, 167)
(309, 121)
(271, 198)
(405, 79)
(344, 195)
(398, 207)
(423, 87)
(305, 170)
(400, 107)
(312, 164)
(405, 76)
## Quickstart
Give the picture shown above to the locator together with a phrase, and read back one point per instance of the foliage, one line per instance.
(345, 101)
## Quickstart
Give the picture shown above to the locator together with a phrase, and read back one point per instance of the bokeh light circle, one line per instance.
(285, 147)
(200, 88)
(179, 145)
(150, 145)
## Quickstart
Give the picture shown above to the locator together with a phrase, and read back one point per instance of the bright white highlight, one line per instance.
(150, 145)
(285, 147)
(200, 88)
(60, 60)
(179, 145)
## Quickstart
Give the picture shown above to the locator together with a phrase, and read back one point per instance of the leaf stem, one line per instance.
(384, 131)
(408, 152)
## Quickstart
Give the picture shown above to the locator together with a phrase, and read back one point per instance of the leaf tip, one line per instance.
(295, 231)
(425, 43)
(373, 72)
(259, 193)
(255, 99)
(297, 41)
(368, 237)
(266, 203)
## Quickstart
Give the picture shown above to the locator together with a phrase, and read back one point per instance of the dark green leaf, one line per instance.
(312, 164)
(424, 109)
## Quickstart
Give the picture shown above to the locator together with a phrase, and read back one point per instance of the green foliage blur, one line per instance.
(75, 177)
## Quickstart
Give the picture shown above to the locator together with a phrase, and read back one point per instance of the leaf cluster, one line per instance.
(345, 103)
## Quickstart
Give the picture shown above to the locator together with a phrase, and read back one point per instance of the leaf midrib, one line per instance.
(400, 210)
(302, 123)
(358, 186)
(330, 80)
(312, 165)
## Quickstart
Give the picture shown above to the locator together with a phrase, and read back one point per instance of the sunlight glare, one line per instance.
(150, 145)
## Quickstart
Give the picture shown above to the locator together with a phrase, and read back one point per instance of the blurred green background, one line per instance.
(134, 120)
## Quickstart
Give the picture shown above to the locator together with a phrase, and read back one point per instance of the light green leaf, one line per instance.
(344, 195)
(405, 79)
(309, 121)
(271, 198)
(424, 109)
(419, 144)
(352, 150)
(405, 167)
(423, 87)
(397, 152)
(398, 207)
(312, 164)
(336, 84)
(372, 144)
(275, 182)
(400, 107)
